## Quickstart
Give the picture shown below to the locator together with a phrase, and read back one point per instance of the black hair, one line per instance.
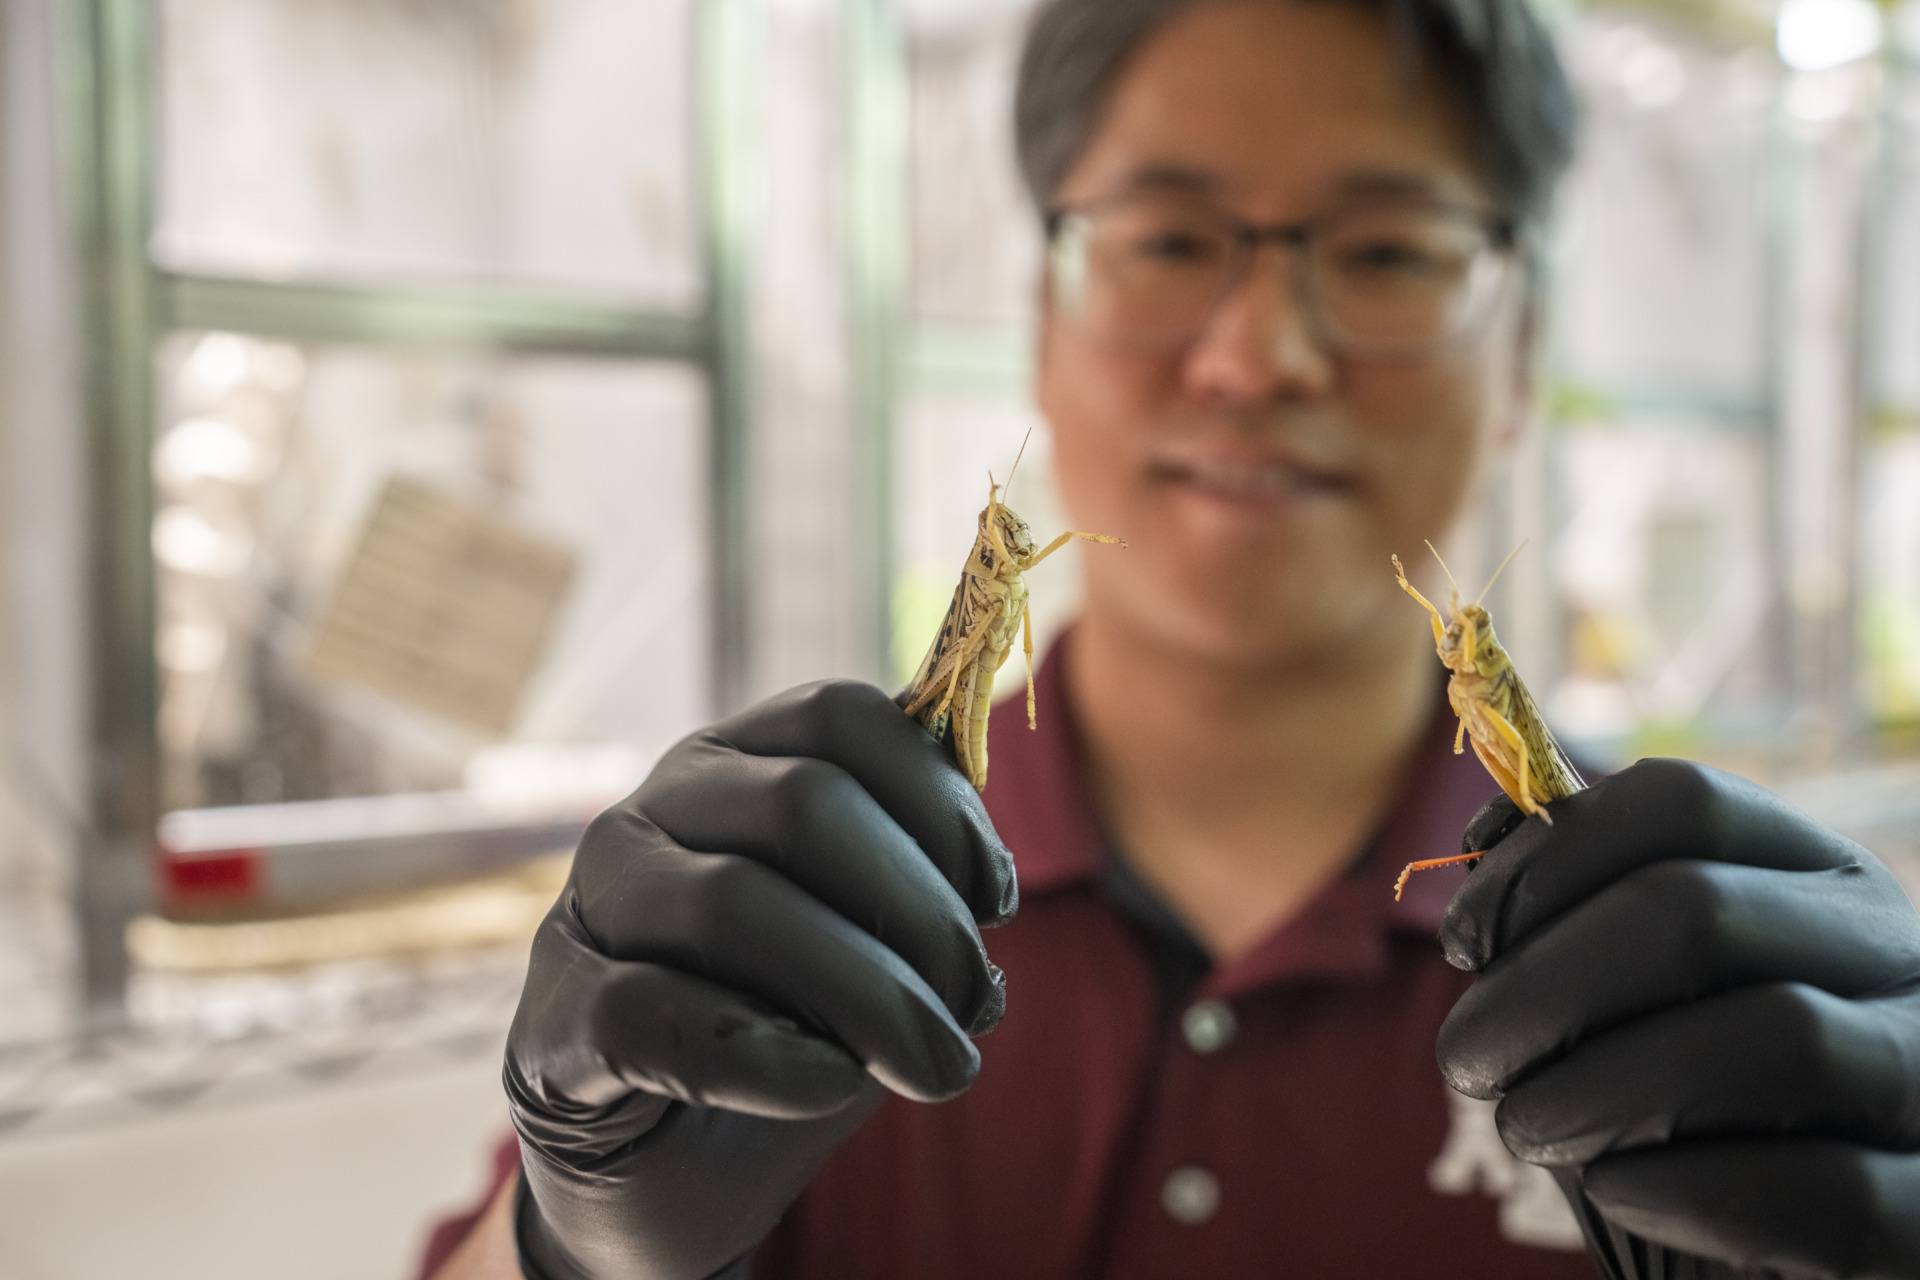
(1493, 55)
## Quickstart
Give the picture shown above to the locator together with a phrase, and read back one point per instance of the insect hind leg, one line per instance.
(1067, 537)
(1521, 777)
(946, 699)
(1427, 864)
(1026, 644)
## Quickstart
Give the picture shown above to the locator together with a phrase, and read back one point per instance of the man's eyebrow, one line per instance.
(1354, 184)
(1389, 184)
(1163, 176)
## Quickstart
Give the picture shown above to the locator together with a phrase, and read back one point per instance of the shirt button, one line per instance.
(1190, 1195)
(1208, 1026)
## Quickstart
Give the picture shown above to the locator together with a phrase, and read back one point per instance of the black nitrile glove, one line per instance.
(779, 922)
(1702, 1010)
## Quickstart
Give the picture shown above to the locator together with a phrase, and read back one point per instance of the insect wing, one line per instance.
(1553, 775)
(955, 645)
(1506, 774)
(936, 668)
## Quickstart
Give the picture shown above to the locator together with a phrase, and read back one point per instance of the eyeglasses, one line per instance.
(1150, 270)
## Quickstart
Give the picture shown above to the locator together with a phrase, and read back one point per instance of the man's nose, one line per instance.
(1261, 344)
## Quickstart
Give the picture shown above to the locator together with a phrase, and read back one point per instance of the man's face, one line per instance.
(1260, 477)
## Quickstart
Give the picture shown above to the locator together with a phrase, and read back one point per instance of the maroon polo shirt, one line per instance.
(1138, 1114)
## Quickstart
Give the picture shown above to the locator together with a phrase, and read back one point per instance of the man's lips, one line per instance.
(1250, 477)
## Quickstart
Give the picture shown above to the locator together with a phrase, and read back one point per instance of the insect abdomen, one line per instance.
(977, 685)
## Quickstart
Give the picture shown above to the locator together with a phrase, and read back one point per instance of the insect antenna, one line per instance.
(1443, 568)
(1016, 459)
(1497, 572)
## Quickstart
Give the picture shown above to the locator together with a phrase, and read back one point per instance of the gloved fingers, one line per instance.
(734, 922)
(859, 728)
(1780, 1058)
(1653, 811)
(622, 1027)
(812, 823)
(1668, 933)
(632, 881)
(1800, 1206)
(698, 1043)
(1496, 820)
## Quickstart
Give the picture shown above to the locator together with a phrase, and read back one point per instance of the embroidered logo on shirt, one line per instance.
(1532, 1210)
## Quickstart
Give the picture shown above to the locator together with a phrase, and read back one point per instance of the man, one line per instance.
(1287, 317)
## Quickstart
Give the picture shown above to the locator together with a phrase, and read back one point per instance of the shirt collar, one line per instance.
(1343, 931)
(1038, 797)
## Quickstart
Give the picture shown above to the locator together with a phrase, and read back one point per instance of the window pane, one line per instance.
(358, 139)
(531, 530)
(1893, 284)
(1890, 579)
(1666, 592)
(1889, 475)
(975, 236)
(1663, 286)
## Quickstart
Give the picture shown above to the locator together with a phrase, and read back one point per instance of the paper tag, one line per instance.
(444, 606)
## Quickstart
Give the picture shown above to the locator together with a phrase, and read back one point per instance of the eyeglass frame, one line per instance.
(1505, 235)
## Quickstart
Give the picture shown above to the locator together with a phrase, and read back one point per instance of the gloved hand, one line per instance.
(780, 922)
(1709, 1007)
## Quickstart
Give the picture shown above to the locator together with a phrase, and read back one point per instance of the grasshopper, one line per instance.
(1508, 732)
(952, 692)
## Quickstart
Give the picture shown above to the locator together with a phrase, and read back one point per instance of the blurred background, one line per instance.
(416, 414)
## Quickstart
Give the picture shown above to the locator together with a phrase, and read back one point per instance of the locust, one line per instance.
(1496, 712)
(952, 692)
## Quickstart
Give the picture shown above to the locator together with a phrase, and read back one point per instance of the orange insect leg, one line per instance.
(1428, 864)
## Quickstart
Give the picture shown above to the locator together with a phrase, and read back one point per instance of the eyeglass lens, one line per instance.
(1391, 278)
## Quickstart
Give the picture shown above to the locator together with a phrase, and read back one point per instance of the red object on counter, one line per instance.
(224, 875)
